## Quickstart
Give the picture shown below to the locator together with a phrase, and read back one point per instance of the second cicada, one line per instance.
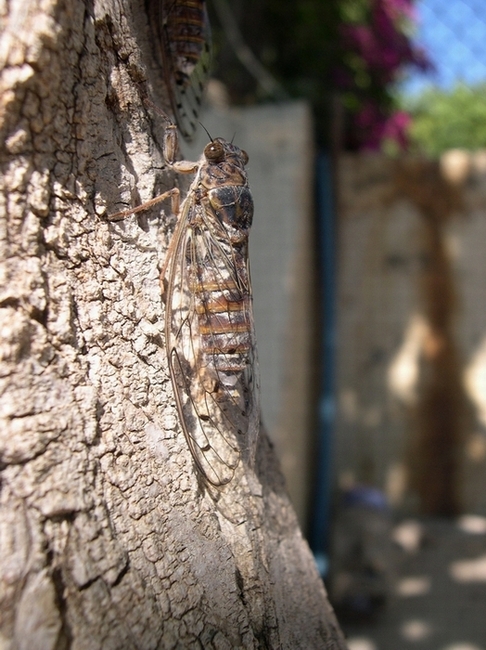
(183, 33)
(209, 326)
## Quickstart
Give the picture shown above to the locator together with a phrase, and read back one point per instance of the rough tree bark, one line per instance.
(108, 537)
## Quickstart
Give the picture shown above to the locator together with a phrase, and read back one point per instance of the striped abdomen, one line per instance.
(225, 326)
(187, 32)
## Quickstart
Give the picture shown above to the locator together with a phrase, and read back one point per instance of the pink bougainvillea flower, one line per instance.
(381, 50)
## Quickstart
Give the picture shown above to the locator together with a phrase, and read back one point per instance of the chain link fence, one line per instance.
(454, 35)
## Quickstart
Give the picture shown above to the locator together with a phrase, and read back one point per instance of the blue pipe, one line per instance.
(319, 533)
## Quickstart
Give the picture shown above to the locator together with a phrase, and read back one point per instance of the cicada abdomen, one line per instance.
(209, 322)
(183, 31)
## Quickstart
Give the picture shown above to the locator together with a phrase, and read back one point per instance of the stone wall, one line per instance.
(411, 331)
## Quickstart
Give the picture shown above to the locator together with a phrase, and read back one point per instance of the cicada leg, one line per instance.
(174, 195)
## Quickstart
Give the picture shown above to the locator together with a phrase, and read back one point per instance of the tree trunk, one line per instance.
(109, 539)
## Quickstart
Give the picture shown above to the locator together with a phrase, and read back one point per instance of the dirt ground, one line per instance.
(437, 600)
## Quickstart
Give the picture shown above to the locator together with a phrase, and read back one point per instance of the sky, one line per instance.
(453, 32)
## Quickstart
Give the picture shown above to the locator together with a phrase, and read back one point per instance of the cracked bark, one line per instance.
(108, 539)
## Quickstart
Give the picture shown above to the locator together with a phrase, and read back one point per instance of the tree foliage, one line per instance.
(354, 49)
(448, 119)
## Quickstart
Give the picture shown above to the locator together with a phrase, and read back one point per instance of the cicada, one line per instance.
(209, 326)
(183, 31)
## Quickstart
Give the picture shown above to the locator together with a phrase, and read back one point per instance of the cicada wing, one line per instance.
(217, 401)
(184, 35)
(231, 273)
(251, 383)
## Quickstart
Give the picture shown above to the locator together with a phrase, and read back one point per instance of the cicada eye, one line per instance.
(214, 151)
(244, 155)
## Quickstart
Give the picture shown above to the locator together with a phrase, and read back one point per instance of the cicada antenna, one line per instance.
(209, 135)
